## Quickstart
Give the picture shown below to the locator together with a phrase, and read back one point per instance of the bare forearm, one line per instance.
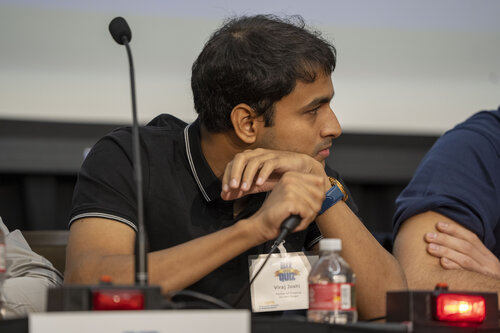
(173, 268)
(425, 274)
(456, 279)
(422, 270)
(377, 271)
(178, 267)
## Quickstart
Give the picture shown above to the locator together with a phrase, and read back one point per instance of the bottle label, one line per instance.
(3, 264)
(331, 297)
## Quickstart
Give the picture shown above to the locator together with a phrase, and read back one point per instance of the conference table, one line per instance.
(183, 321)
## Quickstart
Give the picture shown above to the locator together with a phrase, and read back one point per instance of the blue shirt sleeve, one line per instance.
(459, 178)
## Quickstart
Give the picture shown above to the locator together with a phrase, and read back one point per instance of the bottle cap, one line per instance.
(330, 244)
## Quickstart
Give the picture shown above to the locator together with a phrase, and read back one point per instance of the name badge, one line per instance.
(282, 284)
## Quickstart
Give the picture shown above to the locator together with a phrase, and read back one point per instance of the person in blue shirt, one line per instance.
(448, 217)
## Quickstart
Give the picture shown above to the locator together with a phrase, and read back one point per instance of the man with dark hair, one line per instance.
(239, 64)
(217, 190)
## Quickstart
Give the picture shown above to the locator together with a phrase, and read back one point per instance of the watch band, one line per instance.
(334, 182)
(333, 195)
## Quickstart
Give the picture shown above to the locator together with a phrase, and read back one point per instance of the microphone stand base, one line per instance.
(104, 297)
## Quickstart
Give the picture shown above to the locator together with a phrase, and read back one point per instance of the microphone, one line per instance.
(288, 224)
(106, 296)
(120, 31)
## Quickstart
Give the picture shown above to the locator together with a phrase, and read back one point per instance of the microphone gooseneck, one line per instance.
(120, 31)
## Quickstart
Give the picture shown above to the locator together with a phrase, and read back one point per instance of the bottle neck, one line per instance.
(323, 253)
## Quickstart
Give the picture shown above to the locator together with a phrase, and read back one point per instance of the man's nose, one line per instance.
(331, 127)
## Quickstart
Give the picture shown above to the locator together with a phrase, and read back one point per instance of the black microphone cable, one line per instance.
(208, 301)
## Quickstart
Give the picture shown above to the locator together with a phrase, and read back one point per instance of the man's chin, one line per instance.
(320, 160)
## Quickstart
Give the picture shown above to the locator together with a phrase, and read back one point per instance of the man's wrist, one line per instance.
(336, 193)
(254, 230)
(335, 182)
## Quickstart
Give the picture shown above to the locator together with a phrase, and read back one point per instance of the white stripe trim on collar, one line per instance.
(191, 164)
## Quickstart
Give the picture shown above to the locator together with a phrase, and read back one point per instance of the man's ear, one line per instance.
(245, 123)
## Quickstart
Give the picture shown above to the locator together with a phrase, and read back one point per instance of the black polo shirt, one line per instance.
(181, 196)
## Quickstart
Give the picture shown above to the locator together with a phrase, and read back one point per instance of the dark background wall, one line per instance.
(39, 162)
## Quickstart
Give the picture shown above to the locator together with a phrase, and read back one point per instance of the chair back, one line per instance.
(50, 244)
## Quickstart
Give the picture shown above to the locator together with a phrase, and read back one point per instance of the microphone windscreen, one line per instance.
(119, 28)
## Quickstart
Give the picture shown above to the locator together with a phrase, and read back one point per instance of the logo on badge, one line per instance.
(286, 272)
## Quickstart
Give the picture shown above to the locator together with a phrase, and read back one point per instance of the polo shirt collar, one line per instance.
(209, 185)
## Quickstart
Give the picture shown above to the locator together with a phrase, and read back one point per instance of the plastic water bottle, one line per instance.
(331, 287)
(3, 269)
